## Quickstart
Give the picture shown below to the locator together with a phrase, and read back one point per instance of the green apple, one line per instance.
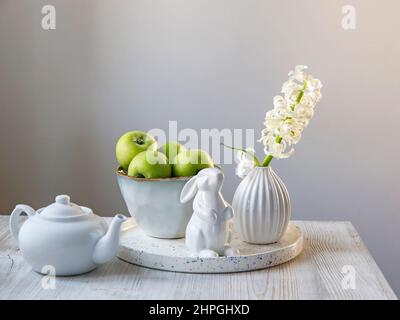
(171, 149)
(130, 144)
(150, 164)
(190, 162)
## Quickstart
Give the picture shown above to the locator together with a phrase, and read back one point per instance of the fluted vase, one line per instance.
(261, 207)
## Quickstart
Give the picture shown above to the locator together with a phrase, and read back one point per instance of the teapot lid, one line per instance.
(64, 208)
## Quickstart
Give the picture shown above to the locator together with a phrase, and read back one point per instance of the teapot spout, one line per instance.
(106, 248)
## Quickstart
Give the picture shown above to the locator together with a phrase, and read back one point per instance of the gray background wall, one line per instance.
(111, 66)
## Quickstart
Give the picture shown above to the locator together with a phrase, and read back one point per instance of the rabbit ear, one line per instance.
(189, 190)
(201, 181)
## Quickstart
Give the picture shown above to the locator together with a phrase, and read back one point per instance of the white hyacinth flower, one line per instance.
(245, 162)
(291, 114)
(280, 149)
(280, 103)
(284, 124)
(298, 73)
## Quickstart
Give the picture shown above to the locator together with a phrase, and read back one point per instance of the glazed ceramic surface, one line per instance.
(65, 237)
(206, 233)
(261, 207)
(155, 204)
(173, 255)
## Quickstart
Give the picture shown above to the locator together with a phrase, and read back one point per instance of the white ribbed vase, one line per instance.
(261, 207)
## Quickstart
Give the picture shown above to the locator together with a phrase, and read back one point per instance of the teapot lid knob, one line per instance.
(63, 199)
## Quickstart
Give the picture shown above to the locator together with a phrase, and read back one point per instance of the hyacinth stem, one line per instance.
(267, 160)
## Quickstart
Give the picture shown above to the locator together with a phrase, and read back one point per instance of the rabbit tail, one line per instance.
(207, 253)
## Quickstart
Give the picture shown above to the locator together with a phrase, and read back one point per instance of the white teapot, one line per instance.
(64, 236)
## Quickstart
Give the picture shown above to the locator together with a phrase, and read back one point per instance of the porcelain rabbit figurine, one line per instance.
(206, 232)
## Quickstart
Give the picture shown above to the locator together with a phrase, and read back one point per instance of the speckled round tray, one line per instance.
(171, 255)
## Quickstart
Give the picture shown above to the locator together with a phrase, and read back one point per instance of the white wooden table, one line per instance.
(333, 253)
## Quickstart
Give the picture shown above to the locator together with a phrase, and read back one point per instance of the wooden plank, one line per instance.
(315, 274)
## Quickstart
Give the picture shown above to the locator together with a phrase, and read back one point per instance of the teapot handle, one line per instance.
(15, 226)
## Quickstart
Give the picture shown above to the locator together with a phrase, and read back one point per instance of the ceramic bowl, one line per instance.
(155, 204)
